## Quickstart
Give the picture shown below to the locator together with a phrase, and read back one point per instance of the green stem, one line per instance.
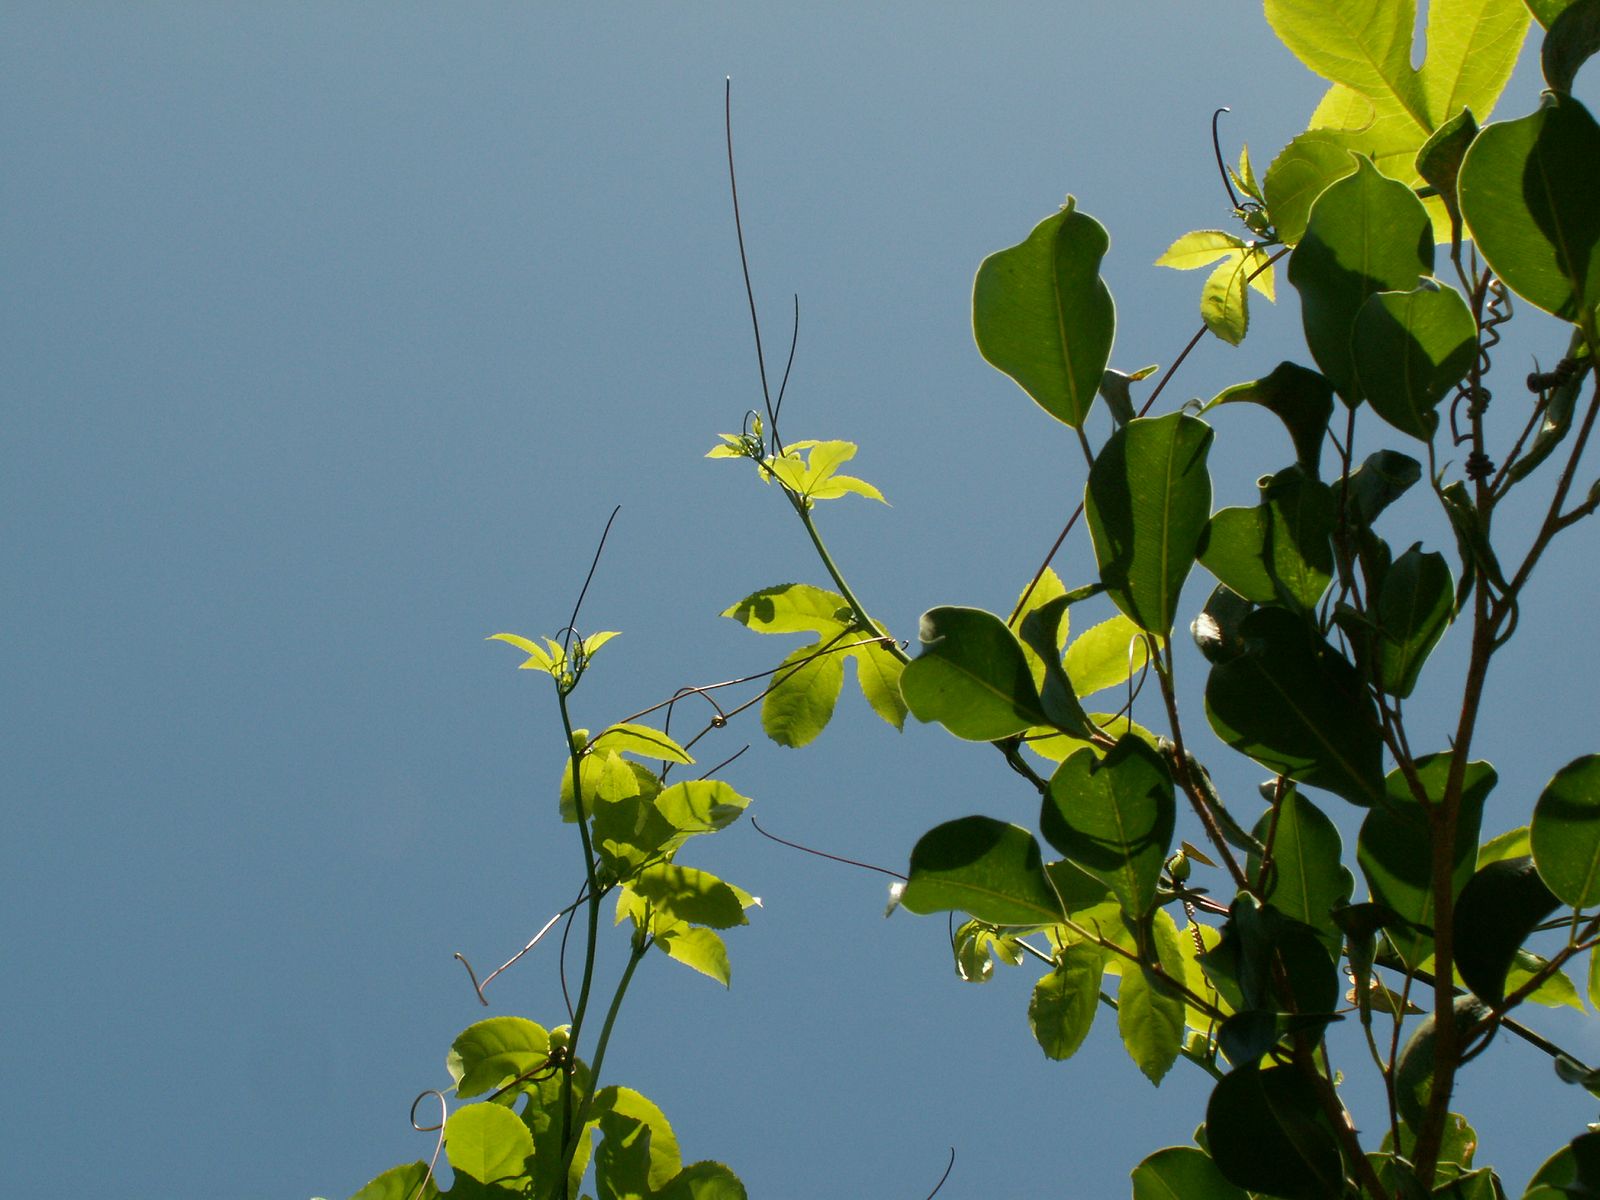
(569, 1136)
(641, 945)
(867, 623)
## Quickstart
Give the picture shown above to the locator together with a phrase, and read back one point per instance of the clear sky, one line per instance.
(332, 334)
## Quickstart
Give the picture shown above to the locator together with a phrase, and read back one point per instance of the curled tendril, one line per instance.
(438, 1146)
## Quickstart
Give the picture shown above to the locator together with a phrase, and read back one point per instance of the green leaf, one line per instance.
(1147, 500)
(1511, 844)
(804, 690)
(1411, 349)
(1064, 1001)
(984, 867)
(1042, 314)
(1267, 1133)
(700, 806)
(1413, 1073)
(410, 1181)
(703, 1181)
(1363, 44)
(1382, 478)
(607, 778)
(1057, 698)
(793, 608)
(971, 677)
(878, 674)
(691, 895)
(1106, 655)
(809, 469)
(701, 949)
(1395, 848)
(1297, 396)
(1114, 817)
(491, 1053)
(1301, 172)
(1414, 609)
(1308, 879)
(1556, 991)
(1200, 249)
(1182, 1173)
(638, 1152)
(488, 1144)
(1554, 1178)
(1223, 304)
(1366, 234)
(975, 945)
(1565, 832)
(1573, 39)
(1149, 1010)
(1279, 551)
(1495, 914)
(1531, 197)
(640, 740)
(1293, 704)
(1439, 162)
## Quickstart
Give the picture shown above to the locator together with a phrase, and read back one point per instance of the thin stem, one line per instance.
(641, 945)
(867, 623)
(744, 261)
(569, 1136)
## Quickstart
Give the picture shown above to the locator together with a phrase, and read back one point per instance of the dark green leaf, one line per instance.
(1439, 161)
(1064, 1001)
(971, 677)
(1531, 196)
(1413, 1073)
(1182, 1173)
(1040, 631)
(1114, 816)
(1147, 501)
(1265, 960)
(1042, 314)
(1297, 396)
(1553, 1179)
(1267, 1133)
(1395, 848)
(1415, 602)
(1573, 39)
(1411, 349)
(1216, 629)
(1495, 914)
(1557, 420)
(1378, 482)
(984, 867)
(1294, 705)
(1565, 832)
(804, 691)
(1308, 878)
(1278, 551)
(1456, 1147)
(1366, 234)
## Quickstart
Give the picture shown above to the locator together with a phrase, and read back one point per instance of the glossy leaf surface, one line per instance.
(971, 676)
(1565, 832)
(491, 1053)
(1308, 878)
(981, 866)
(1294, 705)
(1411, 349)
(1182, 1173)
(1042, 314)
(1495, 914)
(1148, 500)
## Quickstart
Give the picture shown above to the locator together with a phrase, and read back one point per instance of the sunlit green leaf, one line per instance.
(411, 1181)
(1064, 1001)
(638, 1152)
(1556, 991)
(691, 895)
(1511, 844)
(793, 608)
(699, 948)
(700, 805)
(1279, 551)
(1182, 1173)
(1042, 314)
(489, 1054)
(971, 677)
(1057, 698)
(1148, 499)
(804, 690)
(703, 1181)
(1439, 162)
(489, 1144)
(878, 673)
(984, 867)
(1364, 44)
(640, 740)
(1300, 173)
(1106, 655)
(1149, 1010)
(1565, 832)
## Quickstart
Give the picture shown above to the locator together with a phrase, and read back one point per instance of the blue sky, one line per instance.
(332, 335)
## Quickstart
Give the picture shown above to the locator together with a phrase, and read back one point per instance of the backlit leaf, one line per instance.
(984, 867)
(489, 1144)
(1065, 1000)
(1565, 832)
(1182, 1173)
(971, 677)
(1149, 1010)
(804, 690)
(1411, 349)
